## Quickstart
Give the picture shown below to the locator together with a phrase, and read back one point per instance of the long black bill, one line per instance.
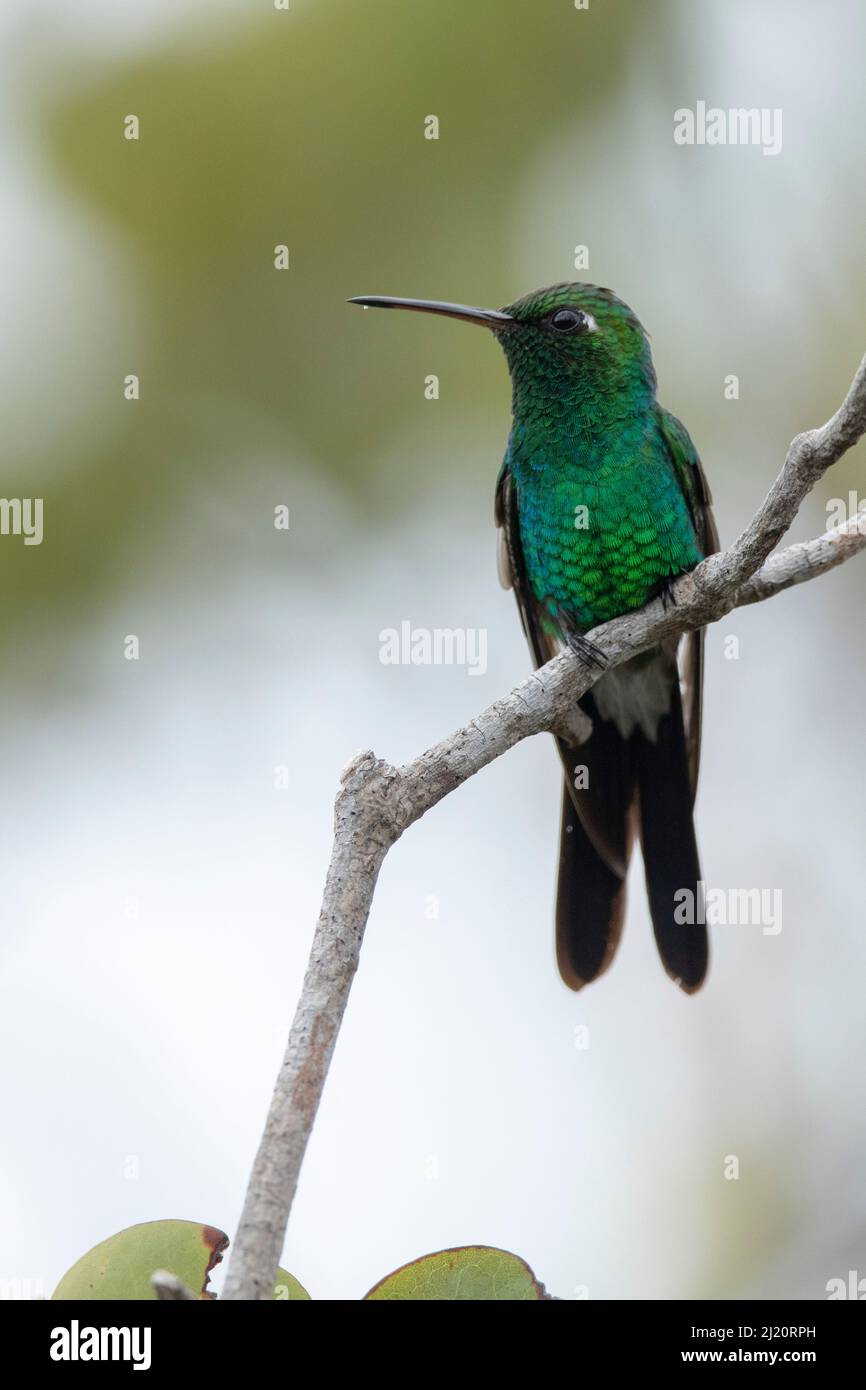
(488, 318)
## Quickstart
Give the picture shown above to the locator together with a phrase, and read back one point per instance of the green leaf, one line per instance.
(471, 1271)
(120, 1268)
(287, 1289)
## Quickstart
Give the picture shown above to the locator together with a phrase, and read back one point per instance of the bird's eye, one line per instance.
(568, 320)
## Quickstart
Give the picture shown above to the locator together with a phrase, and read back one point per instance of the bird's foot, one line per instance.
(666, 593)
(586, 650)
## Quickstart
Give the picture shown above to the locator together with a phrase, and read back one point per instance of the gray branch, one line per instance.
(376, 803)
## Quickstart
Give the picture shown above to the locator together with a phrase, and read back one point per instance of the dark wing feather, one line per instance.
(696, 490)
(512, 572)
(590, 904)
(670, 851)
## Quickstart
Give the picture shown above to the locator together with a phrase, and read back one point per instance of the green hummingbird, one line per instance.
(601, 501)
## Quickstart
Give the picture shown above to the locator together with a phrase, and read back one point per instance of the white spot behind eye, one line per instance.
(591, 325)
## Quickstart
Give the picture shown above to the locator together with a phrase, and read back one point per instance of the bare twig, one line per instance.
(376, 803)
(806, 560)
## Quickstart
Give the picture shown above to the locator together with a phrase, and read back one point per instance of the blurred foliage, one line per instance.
(303, 128)
(308, 130)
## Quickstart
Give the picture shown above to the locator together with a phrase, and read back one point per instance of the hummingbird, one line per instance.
(601, 501)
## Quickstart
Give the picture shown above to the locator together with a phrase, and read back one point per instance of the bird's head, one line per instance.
(571, 337)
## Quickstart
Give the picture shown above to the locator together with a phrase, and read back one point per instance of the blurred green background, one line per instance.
(152, 867)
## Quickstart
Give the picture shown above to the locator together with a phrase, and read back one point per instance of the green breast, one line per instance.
(602, 517)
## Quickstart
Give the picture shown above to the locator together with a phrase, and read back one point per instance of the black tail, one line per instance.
(590, 904)
(594, 850)
(670, 852)
(595, 843)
